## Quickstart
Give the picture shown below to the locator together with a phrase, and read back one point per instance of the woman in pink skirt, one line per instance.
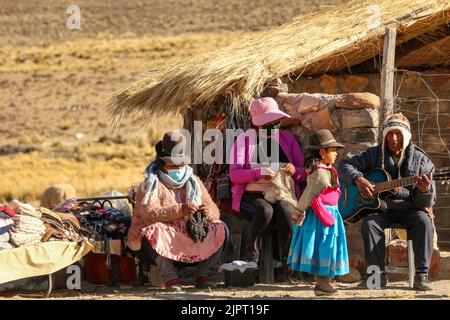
(168, 196)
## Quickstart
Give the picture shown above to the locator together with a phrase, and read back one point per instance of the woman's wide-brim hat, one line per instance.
(265, 110)
(172, 148)
(323, 139)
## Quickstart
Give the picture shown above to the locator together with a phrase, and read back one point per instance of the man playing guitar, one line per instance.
(406, 206)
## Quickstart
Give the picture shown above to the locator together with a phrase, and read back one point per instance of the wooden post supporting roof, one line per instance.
(387, 92)
(189, 126)
(387, 78)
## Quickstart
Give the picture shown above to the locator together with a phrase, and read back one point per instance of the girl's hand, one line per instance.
(298, 217)
(289, 169)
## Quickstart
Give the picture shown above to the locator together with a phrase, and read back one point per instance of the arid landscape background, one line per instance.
(55, 83)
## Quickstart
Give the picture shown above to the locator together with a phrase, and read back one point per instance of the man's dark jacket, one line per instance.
(415, 163)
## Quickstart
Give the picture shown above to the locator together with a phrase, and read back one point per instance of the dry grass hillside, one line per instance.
(55, 83)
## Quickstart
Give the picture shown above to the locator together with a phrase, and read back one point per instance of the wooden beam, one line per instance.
(387, 78)
(402, 50)
(415, 44)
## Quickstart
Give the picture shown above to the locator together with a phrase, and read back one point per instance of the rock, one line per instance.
(352, 149)
(359, 118)
(289, 102)
(440, 82)
(412, 81)
(328, 84)
(336, 118)
(302, 134)
(434, 144)
(432, 107)
(309, 103)
(355, 83)
(322, 120)
(357, 101)
(358, 135)
(352, 277)
(274, 90)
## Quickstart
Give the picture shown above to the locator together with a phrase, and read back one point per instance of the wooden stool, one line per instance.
(411, 269)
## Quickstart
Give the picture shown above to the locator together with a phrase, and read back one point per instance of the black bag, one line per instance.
(223, 184)
(197, 227)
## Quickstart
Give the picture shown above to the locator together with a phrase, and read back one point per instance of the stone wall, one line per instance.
(348, 105)
(416, 98)
(353, 120)
(352, 117)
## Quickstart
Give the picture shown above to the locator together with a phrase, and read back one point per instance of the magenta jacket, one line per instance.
(242, 153)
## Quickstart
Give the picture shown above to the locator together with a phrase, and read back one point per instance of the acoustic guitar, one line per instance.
(353, 205)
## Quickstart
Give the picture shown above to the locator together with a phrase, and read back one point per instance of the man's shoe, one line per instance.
(174, 285)
(383, 281)
(202, 282)
(421, 282)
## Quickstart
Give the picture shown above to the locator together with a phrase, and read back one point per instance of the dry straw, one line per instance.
(331, 39)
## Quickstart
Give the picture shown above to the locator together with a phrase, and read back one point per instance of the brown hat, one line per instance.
(323, 139)
(172, 148)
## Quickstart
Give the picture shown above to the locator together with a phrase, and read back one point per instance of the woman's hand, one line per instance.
(267, 174)
(188, 209)
(289, 169)
(204, 209)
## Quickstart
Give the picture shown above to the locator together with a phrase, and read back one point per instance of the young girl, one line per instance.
(319, 246)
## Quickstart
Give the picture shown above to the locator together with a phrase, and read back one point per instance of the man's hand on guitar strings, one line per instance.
(365, 187)
(423, 182)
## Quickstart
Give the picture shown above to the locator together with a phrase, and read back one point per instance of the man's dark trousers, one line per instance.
(419, 227)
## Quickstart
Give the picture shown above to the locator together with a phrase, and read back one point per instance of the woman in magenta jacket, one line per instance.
(253, 164)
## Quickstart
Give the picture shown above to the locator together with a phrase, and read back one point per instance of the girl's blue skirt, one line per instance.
(317, 249)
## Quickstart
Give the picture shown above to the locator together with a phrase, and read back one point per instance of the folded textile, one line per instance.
(24, 208)
(4, 216)
(31, 213)
(8, 211)
(20, 218)
(4, 237)
(5, 226)
(15, 204)
(5, 245)
(29, 229)
(49, 214)
(19, 239)
(29, 225)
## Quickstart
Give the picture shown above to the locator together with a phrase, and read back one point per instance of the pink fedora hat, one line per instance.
(265, 110)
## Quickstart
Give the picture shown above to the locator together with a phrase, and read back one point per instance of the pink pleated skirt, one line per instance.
(171, 240)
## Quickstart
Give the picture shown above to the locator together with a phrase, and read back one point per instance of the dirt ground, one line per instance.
(56, 83)
(395, 290)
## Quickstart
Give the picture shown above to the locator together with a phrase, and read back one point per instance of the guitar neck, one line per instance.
(389, 185)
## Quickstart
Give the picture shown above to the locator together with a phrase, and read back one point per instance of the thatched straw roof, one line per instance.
(328, 40)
